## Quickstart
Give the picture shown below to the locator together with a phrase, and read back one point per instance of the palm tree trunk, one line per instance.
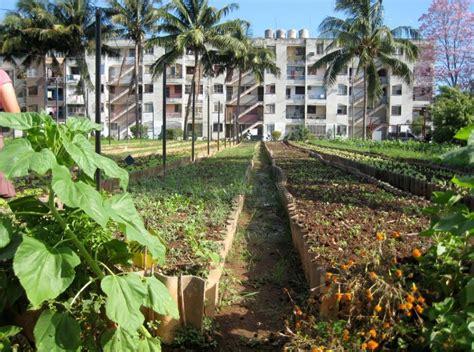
(236, 134)
(364, 121)
(137, 100)
(193, 126)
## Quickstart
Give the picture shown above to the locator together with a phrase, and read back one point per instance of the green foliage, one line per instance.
(5, 333)
(55, 249)
(299, 133)
(452, 110)
(140, 131)
(173, 134)
(276, 135)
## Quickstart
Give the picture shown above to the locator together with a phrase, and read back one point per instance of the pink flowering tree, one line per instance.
(449, 28)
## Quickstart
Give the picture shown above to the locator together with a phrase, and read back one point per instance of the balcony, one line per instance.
(295, 77)
(173, 115)
(321, 96)
(296, 59)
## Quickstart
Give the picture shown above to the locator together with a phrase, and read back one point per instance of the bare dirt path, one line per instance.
(260, 270)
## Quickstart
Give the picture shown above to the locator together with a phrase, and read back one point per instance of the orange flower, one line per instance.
(421, 300)
(298, 311)
(378, 308)
(402, 306)
(395, 234)
(386, 325)
(334, 279)
(373, 332)
(370, 297)
(409, 306)
(348, 296)
(410, 299)
(413, 288)
(408, 313)
(398, 273)
(416, 253)
(363, 346)
(380, 236)
(372, 345)
(345, 335)
(345, 267)
(328, 275)
(419, 309)
(372, 275)
(350, 262)
(338, 296)
(317, 349)
(298, 325)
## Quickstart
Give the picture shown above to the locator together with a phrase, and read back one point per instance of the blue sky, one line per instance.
(297, 14)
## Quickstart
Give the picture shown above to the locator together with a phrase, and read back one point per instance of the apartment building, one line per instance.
(298, 96)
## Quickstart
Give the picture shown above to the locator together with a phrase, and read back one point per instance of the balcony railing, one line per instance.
(295, 97)
(173, 115)
(321, 96)
(316, 117)
(294, 116)
(295, 77)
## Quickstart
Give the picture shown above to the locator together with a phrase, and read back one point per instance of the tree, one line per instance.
(364, 38)
(448, 26)
(136, 18)
(247, 57)
(451, 111)
(192, 25)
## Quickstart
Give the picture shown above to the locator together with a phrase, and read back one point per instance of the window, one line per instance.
(299, 90)
(131, 52)
(270, 89)
(312, 71)
(218, 88)
(270, 108)
(148, 107)
(114, 126)
(33, 90)
(396, 110)
(102, 88)
(75, 70)
(31, 72)
(317, 130)
(341, 109)
(102, 69)
(189, 70)
(341, 130)
(320, 48)
(270, 127)
(311, 109)
(341, 89)
(187, 89)
(177, 108)
(149, 51)
(217, 127)
(148, 88)
(216, 107)
(397, 90)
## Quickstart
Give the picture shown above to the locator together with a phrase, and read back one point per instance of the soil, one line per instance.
(343, 213)
(262, 273)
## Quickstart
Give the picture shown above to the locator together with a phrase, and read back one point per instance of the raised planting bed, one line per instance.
(195, 211)
(420, 180)
(350, 231)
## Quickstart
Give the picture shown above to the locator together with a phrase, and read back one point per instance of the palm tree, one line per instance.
(364, 38)
(26, 34)
(249, 57)
(192, 25)
(136, 18)
(75, 33)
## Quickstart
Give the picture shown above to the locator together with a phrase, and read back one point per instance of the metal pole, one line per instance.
(110, 120)
(225, 129)
(57, 105)
(65, 90)
(152, 121)
(163, 126)
(193, 120)
(208, 120)
(97, 87)
(218, 123)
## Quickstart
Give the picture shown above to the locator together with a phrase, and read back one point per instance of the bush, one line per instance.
(300, 133)
(140, 131)
(451, 111)
(172, 133)
(276, 135)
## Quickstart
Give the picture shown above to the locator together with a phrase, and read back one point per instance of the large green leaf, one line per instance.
(79, 195)
(82, 152)
(21, 121)
(159, 299)
(122, 210)
(119, 340)
(82, 125)
(465, 133)
(57, 332)
(111, 169)
(18, 157)
(43, 272)
(149, 344)
(5, 232)
(125, 295)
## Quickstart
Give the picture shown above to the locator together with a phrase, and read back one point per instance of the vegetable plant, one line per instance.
(65, 257)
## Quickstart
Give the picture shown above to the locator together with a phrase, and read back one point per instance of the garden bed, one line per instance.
(341, 222)
(195, 211)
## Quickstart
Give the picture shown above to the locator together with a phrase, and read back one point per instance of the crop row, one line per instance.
(188, 209)
(438, 177)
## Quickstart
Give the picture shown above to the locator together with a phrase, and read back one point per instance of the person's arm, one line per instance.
(8, 98)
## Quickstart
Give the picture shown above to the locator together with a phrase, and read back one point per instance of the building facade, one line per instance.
(297, 96)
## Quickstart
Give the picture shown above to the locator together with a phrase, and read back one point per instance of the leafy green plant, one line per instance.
(139, 131)
(67, 254)
(299, 133)
(276, 135)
